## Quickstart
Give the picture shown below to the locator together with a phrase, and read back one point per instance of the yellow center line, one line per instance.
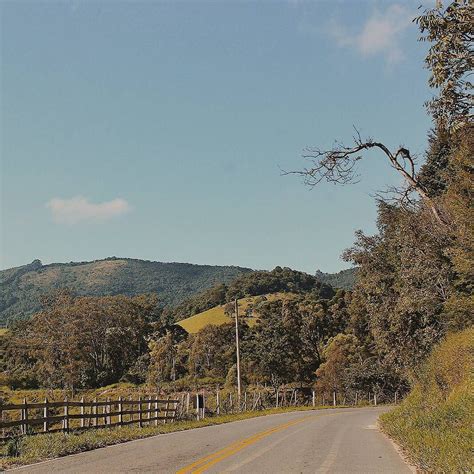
(206, 462)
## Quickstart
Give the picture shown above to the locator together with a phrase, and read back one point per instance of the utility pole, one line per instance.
(237, 347)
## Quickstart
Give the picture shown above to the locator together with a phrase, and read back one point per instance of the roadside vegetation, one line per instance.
(31, 449)
(434, 424)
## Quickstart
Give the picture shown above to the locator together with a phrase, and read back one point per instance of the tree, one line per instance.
(212, 351)
(163, 359)
(339, 166)
(404, 279)
(340, 352)
(84, 341)
(458, 201)
(450, 60)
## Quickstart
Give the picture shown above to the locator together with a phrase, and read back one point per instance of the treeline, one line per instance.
(84, 342)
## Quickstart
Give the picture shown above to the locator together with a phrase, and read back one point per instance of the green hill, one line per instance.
(262, 282)
(22, 287)
(218, 316)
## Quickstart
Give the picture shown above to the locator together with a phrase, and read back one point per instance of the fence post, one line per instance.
(181, 407)
(188, 398)
(375, 399)
(166, 409)
(218, 402)
(82, 412)
(149, 409)
(140, 413)
(396, 398)
(334, 398)
(24, 417)
(120, 410)
(94, 412)
(231, 406)
(156, 410)
(66, 416)
(197, 406)
(277, 398)
(109, 410)
(175, 413)
(45, 416)
(314, 398)
(203, 405)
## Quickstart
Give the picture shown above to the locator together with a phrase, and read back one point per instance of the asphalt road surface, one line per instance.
(324, 441)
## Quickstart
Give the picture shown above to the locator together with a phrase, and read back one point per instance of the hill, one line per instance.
(217, 315)
(344, 279)
(22, 287)
(185, 289)
(262, 282)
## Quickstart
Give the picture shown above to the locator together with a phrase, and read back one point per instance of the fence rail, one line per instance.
(68, 415)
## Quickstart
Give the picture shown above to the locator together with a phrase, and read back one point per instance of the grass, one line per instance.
(32, 449)
(434, 424)
(217, 316)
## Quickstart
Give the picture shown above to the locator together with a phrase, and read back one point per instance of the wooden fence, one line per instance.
(208, 402)
(68, 415)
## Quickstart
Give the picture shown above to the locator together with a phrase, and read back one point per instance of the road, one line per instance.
(324, 441)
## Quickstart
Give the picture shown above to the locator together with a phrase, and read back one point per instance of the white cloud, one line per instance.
(380, 35)
(78, 209)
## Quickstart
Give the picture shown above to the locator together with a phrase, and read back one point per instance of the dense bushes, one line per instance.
(434, 423)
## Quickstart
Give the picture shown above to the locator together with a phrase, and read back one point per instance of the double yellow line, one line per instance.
(208, 461)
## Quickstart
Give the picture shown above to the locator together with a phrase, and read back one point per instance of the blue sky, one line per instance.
(158, 130)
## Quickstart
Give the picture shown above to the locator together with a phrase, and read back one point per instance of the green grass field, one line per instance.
(218, 317)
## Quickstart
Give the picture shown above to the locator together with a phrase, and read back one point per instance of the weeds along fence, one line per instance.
(69, 415)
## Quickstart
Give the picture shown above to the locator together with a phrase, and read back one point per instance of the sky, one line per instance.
(159, 130)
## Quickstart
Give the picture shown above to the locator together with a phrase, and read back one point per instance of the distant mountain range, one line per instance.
(22, 287)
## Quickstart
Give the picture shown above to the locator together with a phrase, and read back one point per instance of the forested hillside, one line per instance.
(252, 284)
(22, 287)
(344, 279)
(183, 288)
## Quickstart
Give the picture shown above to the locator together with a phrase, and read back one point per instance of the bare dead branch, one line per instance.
(339, 166)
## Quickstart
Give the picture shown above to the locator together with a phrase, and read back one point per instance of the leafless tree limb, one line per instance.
(338, 166)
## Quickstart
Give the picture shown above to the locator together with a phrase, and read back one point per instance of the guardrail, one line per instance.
(68, 415)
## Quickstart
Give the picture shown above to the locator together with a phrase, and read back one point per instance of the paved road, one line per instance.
(325, 441)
